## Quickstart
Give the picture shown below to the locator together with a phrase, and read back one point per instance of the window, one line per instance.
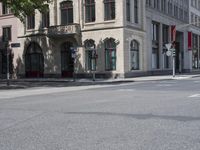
(66, 12)
(31, 21)
(155, 29)
(90, 52)
(45, 19)
(163, 6)
(5, 9)
(165, 38)
(176, 11)
(134, 55)
(136, 11)
(110, 54)
(155, 45)
(195, 58)
(170, 8)
(89, 10)
(128, 10)
(6, 34)
(109, 9)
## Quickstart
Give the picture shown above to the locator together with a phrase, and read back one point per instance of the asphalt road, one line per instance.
(152, 115)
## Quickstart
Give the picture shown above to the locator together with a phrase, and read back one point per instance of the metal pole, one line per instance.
(93, 68)
(173, 66)
(74, 74)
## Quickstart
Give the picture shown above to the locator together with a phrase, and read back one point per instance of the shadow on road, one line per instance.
(139, 116)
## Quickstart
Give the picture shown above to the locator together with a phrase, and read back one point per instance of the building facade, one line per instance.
(112, 38)
(161, 17)
(194, 29)
(9, 29)
(105, 36)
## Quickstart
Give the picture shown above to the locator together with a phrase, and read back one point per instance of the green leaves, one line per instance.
(23, 8)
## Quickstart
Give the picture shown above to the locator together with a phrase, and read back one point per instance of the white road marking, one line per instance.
(165, 85)
(126, 90)
(195, 95)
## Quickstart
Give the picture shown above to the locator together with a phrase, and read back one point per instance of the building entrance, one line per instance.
(67, 62)
(34, 61)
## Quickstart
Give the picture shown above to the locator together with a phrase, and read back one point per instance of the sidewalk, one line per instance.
(59, 82)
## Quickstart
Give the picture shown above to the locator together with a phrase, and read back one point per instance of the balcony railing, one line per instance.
(63, 30)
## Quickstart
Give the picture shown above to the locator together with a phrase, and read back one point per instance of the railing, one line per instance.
(64, 30)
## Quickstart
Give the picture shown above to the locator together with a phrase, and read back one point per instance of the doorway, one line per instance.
(67, 62)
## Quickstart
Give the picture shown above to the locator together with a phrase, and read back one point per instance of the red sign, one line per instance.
(173, 33)
(189, 40)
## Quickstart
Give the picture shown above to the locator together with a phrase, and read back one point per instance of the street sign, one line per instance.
(14, 45)
(168, 46)
(169, 53)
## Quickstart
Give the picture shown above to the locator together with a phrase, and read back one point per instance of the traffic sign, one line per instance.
(15, 45)
(168, 46)
(169, 53)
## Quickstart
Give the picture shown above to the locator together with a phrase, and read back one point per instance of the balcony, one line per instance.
(64, 30)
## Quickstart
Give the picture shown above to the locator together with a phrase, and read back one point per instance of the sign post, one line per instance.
(173, 60)
(73, 55)
(171, 52)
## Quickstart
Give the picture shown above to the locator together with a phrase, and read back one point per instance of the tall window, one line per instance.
(89, 10)
(90, 52)
(7, 34)
(134, 55)
(155, 45)
(5, 9)
(128, 10)
(170, 8)
(66, 12)
(45, 19)
(195, 58)
(31, 21)
(165, 38)
(136, 11)
(110, 54)
(109, 9)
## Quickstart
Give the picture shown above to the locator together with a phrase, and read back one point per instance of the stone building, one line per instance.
(9, 29)
(161, 17)
(105, 36)
(113, 38)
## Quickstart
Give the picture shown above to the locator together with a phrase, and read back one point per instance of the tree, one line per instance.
(23, 8)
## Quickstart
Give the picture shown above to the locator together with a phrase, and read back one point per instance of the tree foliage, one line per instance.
(23, 8)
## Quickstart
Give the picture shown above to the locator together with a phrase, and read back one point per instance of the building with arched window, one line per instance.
(113, 38)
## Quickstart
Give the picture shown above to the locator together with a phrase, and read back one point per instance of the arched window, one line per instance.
(66, 8)
(109, 9)
(90, 53)
(89, 10)
(110, 54)
(134, 55)
(34, 61)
